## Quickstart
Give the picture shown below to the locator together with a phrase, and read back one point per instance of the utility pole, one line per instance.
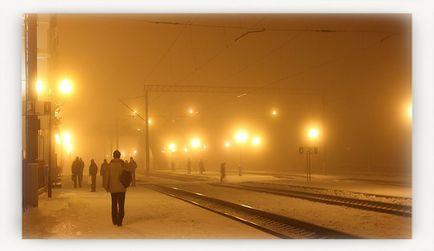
(324, 134)
(50, 139)
(147, 132)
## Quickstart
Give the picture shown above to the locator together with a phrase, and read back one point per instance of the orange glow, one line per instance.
(256, 140)
(227, 144)
(196, 143)
(39, 87)
(313, 133)
(65, 86)
(241, 136)
(57, 138)
(172, 147)
(410, 111)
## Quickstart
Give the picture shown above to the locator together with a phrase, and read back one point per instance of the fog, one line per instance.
(349, 76)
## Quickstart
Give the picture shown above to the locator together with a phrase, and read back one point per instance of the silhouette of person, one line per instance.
(188, 166)
(201, 167)
(222, 172)
(113, 185)
(74, 170)
(80, 171)
(132, 168)
(93, 171)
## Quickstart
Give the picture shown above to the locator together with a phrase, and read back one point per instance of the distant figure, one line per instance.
(222, 172)
(113, 185)
(172, 165)
(74, 170)
(103, 168)
(93, 171)
(80, 171)
(188, 166)
(132, 169)
(201, 167)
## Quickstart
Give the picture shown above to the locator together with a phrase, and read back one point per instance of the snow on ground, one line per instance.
(362, 223)
(79, 214)
(356, 183)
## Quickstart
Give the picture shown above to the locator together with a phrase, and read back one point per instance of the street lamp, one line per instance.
(241, 137)
(65, 86)
(39, 87)
(195, 143)
(172, 147)
(313, 133)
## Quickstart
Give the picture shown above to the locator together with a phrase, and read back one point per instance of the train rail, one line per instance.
(384, 207)
(277, 225)
(181, 177)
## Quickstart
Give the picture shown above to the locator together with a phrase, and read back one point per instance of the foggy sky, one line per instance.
(362, 63)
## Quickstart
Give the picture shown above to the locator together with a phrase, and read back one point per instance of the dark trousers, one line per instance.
(118, 203)
(133, 180)
(80, 179)
(74, 178)
(93, 185)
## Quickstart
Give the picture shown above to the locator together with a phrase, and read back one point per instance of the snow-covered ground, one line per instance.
(386, 186)
(79, 214)
(366, 224)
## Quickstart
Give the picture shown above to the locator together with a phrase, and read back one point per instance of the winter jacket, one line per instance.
(75, 167)
(132, 166)
(111, 178)
(93, 169)
(103, 168)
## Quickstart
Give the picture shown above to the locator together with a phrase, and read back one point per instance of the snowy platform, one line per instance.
(80, 214)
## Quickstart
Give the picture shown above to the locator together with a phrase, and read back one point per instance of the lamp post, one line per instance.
(241, 137)
(312, 134)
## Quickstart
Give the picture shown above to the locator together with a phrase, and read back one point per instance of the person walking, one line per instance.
(80, 172)
(201, 167)
(102, 170)
(93, 171)
(188, 166)
(132, 168)
(222, 172)
(74, 171)
(113, 185)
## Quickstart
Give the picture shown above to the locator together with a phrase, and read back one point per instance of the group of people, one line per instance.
(78, 167)
(201, 166)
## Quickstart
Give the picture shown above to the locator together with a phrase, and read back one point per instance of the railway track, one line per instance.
(277, 225)
(181, 177)
(384, 207)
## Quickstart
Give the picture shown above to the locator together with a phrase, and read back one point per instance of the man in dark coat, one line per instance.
(93, 171)
(103, 168)
(132, 168)
(188, 166)
(80, 171)
(74, 170)
(222, 172)
(113, 185)
(201, 167)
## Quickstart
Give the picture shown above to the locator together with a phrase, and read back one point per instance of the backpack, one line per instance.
(126, 178)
